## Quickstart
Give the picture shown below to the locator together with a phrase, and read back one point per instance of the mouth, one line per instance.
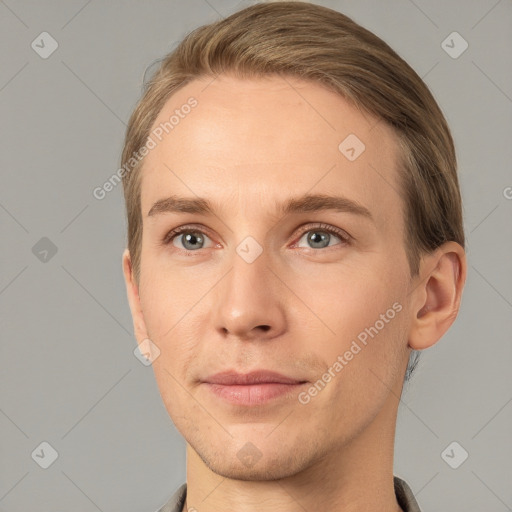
(254, 388)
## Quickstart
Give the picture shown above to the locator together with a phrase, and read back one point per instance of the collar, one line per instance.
(403, 492)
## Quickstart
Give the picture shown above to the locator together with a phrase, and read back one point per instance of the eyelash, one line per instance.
(342, 235)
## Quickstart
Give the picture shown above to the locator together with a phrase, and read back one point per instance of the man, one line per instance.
(294, 237)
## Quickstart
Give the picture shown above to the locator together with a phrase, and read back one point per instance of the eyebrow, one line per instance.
(302, 204)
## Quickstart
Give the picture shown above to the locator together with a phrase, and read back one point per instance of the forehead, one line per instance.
(249, 144)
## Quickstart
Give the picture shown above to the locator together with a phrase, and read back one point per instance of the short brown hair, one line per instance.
(318, 44)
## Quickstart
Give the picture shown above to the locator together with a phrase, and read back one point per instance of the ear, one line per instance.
(437, 294)
(132, 290)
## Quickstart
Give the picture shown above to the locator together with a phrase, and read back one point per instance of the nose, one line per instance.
(249, 302)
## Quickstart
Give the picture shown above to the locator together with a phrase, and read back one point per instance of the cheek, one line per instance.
(365, 317)
(168, 310)
(168, 297)
(347, 299)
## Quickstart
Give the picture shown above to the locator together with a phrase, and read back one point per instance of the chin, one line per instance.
(257, 459)
(263, 470)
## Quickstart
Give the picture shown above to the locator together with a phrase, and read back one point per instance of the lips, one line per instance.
(255, 388)
(252, 389)
(233, 378)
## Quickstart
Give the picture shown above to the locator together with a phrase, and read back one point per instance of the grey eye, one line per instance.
(318, 238)
(191, 240)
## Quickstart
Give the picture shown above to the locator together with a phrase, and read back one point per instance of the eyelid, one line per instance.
(320, 226)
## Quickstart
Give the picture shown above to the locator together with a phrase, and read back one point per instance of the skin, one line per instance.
(248, 146)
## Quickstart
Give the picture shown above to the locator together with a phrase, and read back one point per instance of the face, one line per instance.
(267, 278)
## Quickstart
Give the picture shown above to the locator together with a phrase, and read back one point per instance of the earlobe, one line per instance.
(132, 291)
(437, 298)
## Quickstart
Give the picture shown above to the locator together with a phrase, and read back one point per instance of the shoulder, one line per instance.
(405, 496)
(177, 500)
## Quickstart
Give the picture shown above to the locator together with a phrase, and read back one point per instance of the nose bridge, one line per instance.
(248, 279)
(250, 257)
(250, 266)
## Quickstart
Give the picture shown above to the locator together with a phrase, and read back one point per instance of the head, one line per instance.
(244, 119)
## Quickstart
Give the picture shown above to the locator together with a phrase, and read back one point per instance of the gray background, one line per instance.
(68, 373)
